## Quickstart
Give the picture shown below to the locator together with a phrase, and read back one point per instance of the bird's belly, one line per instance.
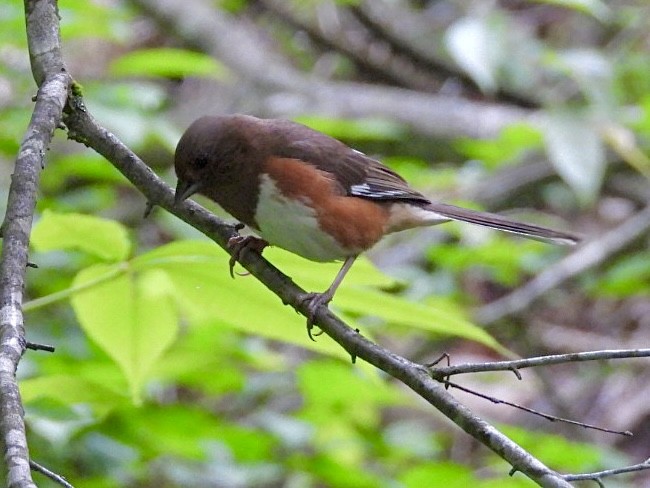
(293, 225)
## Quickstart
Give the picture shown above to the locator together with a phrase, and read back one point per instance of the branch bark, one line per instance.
(442, 372)
(49, 73)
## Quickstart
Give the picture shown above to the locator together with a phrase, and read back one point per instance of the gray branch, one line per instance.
(50, 75)
(290, 91)
(442, 372)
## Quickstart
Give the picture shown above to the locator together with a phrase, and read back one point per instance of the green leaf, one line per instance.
(70, 390)
(131, 317)
(103, 238)
(167, 62)
(361, 294)
(629, 276)
(512, 142)
(575, 149)
(209, 297)
(596, 8)
(448, 475)
(367, 129)
(206, 293)
(400, 312)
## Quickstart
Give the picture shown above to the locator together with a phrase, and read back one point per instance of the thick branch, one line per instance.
(49, 73)
(205, 27)
(371, 57)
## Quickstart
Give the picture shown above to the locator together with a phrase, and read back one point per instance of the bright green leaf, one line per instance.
(511, 143)
(207, 293)
(439, 474)
(103, 238)
(70, 390)
(209, 296)
(131, 317)
(167, 62)
(368, 129)
(629, 276)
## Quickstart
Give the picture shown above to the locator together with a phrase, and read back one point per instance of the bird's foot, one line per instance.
(240, 244)
(313, 301)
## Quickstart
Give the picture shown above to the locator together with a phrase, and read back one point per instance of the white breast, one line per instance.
(292, 225)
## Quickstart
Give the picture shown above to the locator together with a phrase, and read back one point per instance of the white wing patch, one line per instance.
(364, 190)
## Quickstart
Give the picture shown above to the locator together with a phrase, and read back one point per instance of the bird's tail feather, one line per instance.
(499, 222)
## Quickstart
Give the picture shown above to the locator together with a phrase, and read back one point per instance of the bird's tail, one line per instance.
(499, 222)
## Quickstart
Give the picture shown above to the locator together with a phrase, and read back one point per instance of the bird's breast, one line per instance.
(293, 224)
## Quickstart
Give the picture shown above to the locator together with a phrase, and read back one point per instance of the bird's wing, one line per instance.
(357, 174)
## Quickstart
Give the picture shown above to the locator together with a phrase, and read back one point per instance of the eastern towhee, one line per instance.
(311, 194)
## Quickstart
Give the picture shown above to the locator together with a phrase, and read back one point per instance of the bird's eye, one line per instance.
(200, 162)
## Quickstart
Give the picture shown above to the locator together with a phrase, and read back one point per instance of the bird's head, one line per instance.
(209, 153)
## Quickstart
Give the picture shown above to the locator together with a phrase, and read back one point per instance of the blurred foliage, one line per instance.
(169, 373)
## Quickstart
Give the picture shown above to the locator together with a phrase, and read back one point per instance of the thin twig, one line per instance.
(546, 416)
(607, 473)
(57, 478)
(39, 347)
(440, 373)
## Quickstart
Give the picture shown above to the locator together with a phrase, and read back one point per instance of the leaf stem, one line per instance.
(68, 292)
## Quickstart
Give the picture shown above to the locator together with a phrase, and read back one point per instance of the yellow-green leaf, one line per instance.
(103, 238)
(69, 389)
(167, 62)
(131, 317)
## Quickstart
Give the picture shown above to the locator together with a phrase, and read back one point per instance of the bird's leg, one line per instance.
(315, 300)
(240, 244)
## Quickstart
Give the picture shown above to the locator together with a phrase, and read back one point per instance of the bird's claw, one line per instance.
(240, 244)
(313, 301)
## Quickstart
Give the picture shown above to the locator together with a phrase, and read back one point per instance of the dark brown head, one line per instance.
(212, 152)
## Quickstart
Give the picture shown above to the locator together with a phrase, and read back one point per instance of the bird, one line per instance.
(311, 194)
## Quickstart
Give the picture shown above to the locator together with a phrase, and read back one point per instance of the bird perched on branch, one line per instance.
(309, 193)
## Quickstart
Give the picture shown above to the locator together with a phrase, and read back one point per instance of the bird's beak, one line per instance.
(185, 189)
